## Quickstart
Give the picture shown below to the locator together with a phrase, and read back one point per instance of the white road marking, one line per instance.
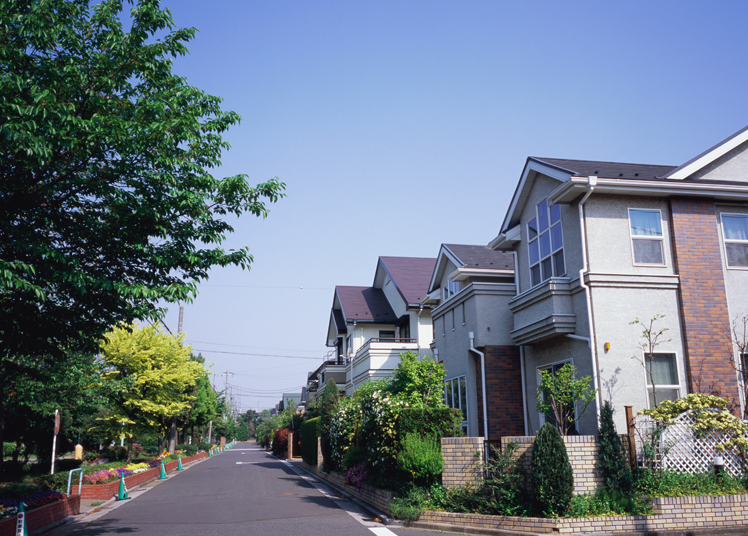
(382, 531)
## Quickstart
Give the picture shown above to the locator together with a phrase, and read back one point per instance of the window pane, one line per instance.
(545, 245)
(448, 394)
(463, 398)
(662, 395)
(648, 251)
(542, 216)
(555, 214)
(557, 239)
(558, 264)
(532, 229)
(736, 227)
(547, 270)
(737, 254)
(645, 223)
(663, 370)
(535, 273)
(534, 252)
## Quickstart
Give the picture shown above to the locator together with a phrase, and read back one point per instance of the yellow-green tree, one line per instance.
(155, 374)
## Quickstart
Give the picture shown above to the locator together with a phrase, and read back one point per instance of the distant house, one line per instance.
(469, 290)
(599, 244)
(370, 327)
(294, 398)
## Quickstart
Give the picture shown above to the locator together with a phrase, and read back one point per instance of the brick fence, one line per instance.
(463, 457)
(107, 491)
(376, 497)
(43, 516)
(671, 513)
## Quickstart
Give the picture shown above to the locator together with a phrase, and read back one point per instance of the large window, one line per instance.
(662, 377)
(735, 232)
(546, 244)
(455, 396)
(450, 289)
(646, 236)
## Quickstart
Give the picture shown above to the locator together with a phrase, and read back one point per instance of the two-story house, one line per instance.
(600, 244)
(370, 327)
(469, 290)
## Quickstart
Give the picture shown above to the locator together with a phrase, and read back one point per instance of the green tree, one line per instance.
(563, 397)
(611, 458)
(156, 373)
(107, 203)
(327, 405)
(204, 407)
(551, 473)
(421, 383)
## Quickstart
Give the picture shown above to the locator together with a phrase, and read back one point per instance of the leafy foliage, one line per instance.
(551, 474)
(560, 393)
(611, 457)
(280, 442)
(420, 457)
(419, 383)
(608, 502)
(309, 435)
(327, 405)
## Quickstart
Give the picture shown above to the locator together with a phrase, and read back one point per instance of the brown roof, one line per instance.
(608, 170)
(365, 304)
(481, 257)
(411, 275)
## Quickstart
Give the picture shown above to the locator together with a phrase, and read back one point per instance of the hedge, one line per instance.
(309, 434)
(436, 422)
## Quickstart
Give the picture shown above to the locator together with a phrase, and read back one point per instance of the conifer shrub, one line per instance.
(309, 435)
(551, 474)
(611, 457)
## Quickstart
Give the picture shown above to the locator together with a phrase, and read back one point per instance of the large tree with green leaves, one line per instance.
(108, 205)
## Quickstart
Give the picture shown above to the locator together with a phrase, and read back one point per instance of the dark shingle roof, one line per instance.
(608, 170)
(411, 275)
(482, 257)
(366, 304)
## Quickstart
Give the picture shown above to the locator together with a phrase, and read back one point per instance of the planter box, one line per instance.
(41, 517)
(107, 491)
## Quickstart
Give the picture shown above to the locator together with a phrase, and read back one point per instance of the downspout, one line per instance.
(418, 330)
(591, 183)
(484, 389)
(521, 351)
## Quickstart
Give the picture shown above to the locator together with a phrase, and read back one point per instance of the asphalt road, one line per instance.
(243, 491)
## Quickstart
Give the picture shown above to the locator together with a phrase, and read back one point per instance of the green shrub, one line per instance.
(607, 502)
(436, 422)
(420, 457)
(410, 505)
(614, 467)
(309, 435)
(354, 456)
(8, 449)
(551, 473)
(17, 491)
(676, 484)
(327, 405)
(204, 446)
(187, 449)
(55, 482)
(502, 491)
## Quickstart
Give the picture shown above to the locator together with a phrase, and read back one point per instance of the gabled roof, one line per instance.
(411, 276)
(365, 304)
(470, 257)
(612, 170)
(707, 157)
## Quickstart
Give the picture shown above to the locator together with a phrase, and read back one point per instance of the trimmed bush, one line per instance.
(354, 456)
(435, 422)
(420, 458)
(612, 459)
(280, 442)
(309, 435)
(204, 446)
(551, 473)
(187, 449)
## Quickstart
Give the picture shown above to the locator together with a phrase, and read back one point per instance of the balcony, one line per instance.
(543, 312)
(377, 358)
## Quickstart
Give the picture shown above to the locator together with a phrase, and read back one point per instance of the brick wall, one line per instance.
(41, 517)
(376, 497)
(504, 393)
(671, 513)
(703, 300)
(462, 458)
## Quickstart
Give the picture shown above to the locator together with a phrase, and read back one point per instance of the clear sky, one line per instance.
(400, 125)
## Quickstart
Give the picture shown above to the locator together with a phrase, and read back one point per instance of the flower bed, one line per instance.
(43, 516)
(110, 489)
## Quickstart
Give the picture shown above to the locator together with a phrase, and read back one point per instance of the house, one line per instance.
(371, 326)
(470, 289)
(600, 244)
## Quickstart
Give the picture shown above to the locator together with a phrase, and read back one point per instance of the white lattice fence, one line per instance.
(681, 450)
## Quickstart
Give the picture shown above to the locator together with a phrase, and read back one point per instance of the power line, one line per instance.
(191, 341)
(257, 355)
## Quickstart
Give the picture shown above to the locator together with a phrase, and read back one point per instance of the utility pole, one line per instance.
(181, 317)
(226, 386)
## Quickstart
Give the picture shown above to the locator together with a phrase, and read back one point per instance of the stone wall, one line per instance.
(376, 497)
(43, 516)
(671, 513)
(462, 458)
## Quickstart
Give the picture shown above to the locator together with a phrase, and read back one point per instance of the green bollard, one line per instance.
(21, 521)
(122, 496)
(179, 466)
(163, 471)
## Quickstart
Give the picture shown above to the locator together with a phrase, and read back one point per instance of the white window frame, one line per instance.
(660, 239)
(664, 385)
(553, 252)
(461, 381)
(539, 381)
(725, 240)
(450, 289)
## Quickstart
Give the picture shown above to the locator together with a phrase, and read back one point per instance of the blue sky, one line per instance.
(398, 126)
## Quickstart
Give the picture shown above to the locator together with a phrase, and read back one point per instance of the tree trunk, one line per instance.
(210, 430)
(129, 450)
(2, 420)
(173, 436)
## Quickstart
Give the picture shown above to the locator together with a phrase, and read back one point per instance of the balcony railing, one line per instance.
(386, 340)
